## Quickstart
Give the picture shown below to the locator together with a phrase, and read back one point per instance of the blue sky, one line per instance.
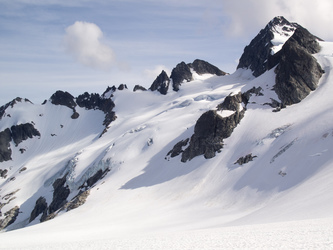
(80, 46)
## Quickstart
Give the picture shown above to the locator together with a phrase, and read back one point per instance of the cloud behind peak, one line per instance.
(83, 41)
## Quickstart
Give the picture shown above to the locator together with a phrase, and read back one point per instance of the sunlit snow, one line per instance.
(281, 199)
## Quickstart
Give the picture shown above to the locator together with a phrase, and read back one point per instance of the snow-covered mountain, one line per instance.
(199, 149)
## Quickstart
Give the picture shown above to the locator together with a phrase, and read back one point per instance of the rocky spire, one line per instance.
(161, 83)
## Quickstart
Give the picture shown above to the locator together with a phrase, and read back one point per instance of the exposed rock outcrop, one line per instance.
(209, 132)
(178, 148)
(96, 177)
(63, 98)
(10, 217)
(77, 201)
(5, 150)
(22, 132)
(203, 67)
(298, 72)
(245, 159)
(139, 87)
(3, 173)
(95, 101)
(179, 74)
(231, 102)
(122, 86)
(161, 83)
(60, 194)
(40, 208)
(17, 133)
(211, 129)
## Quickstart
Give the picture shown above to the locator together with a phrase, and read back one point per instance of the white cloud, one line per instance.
(154, 72)
(83, 41)
(245, 16)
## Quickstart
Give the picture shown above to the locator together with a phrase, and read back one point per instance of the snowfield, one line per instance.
(282, 199)
(308, 234)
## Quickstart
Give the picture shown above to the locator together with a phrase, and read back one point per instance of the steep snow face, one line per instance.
(288, 177)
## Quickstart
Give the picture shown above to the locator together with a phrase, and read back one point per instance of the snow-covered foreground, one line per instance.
(308, 234)
(281, 199)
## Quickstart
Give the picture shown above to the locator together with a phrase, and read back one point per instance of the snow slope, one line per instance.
(280, 199)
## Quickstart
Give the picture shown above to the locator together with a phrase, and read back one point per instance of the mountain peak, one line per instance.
(278, 21)
(268, 42)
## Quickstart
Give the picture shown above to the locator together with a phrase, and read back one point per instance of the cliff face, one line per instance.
(297, 71)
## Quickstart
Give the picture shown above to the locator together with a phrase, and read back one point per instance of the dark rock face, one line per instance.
(122, 86)
(161, 83)
(95, 101)
(96, 177)
(5, 150)
(63, 98)
(23, 132)
(40, 208)
(139, 87)
(209, 132)
(108, 92)
(231, 102)
(256, 54)
(298, 72)
(17, 133)
(60, 194)
(178, 148)
(10, 217)
(203, 67)
(180, 73)
(211, 129)
(245, 159)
